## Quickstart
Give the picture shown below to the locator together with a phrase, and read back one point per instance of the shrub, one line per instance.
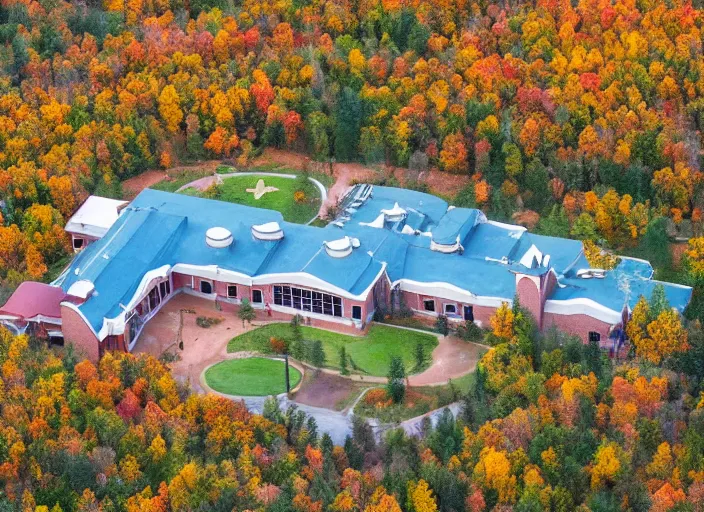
(207, 321)
(375, 396)
(470, 332)
(299, 196)
(442, 325)
(212, 192)
(278, 345)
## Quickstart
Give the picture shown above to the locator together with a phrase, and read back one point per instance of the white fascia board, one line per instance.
(45, 319)
(511, 227)
(75, 228)
(582, 306)
(450, 292)
(677, 285)
(36, 318)
(115, 326)
(213, 272)
(311, 281)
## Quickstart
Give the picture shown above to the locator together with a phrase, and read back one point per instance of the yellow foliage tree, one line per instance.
(502, 322)
(494, 472)
(170, 109)
(607, 465)
(420, 497)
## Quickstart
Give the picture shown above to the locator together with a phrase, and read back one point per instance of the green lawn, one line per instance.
(234, 190)
(254, 376)
(371, 353)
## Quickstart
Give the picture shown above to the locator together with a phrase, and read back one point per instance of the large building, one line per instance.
(387, 247)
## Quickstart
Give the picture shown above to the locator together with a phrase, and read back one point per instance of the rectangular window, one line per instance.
(357, 312)
(429, 305)
(206, 287)
(154, 298)
(257, 296)
(594, 336)
(469, 313)
(450, 309)
(307, 300)
(77, 243)
(164, 288)
(231, 291)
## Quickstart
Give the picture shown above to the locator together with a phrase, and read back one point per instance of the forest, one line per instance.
(586, 113)
(549, 424)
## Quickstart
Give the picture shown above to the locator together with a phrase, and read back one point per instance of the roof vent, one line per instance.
(341, 248)
(395, 214)
(218, 237)
(588, 273)
(268, 231)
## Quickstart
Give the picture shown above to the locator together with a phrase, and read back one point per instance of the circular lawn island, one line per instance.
(252, 376)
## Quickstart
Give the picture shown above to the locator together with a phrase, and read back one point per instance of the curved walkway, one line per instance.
(207, 181)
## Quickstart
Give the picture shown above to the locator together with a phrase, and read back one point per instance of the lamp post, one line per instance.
(288, 381)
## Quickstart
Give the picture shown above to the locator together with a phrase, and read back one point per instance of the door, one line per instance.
(469, 313)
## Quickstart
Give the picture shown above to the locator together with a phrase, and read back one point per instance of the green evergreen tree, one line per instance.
(419, 356)
(344, 370)
(348, 113)
(246, 312)
(317, 354)
(396, 386)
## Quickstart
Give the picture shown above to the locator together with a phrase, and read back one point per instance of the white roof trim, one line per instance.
(510, 227)
(117, 325)
(582, 306)
(450, 292)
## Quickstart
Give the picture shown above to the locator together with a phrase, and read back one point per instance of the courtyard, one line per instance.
(206, 347)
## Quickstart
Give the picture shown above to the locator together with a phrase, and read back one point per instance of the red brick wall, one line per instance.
(578, 325)
(529, 297)
(180, 280)
(482, 314)
(76, 331)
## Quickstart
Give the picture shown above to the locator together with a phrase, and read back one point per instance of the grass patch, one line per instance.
(183, 178)
(371, 353)
(254, 376)
(234, 190)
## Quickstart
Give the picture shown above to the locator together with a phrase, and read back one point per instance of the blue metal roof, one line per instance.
(457, 222)
(622, 286)
(160, 228)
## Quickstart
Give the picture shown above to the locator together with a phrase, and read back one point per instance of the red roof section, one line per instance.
(31, 299)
